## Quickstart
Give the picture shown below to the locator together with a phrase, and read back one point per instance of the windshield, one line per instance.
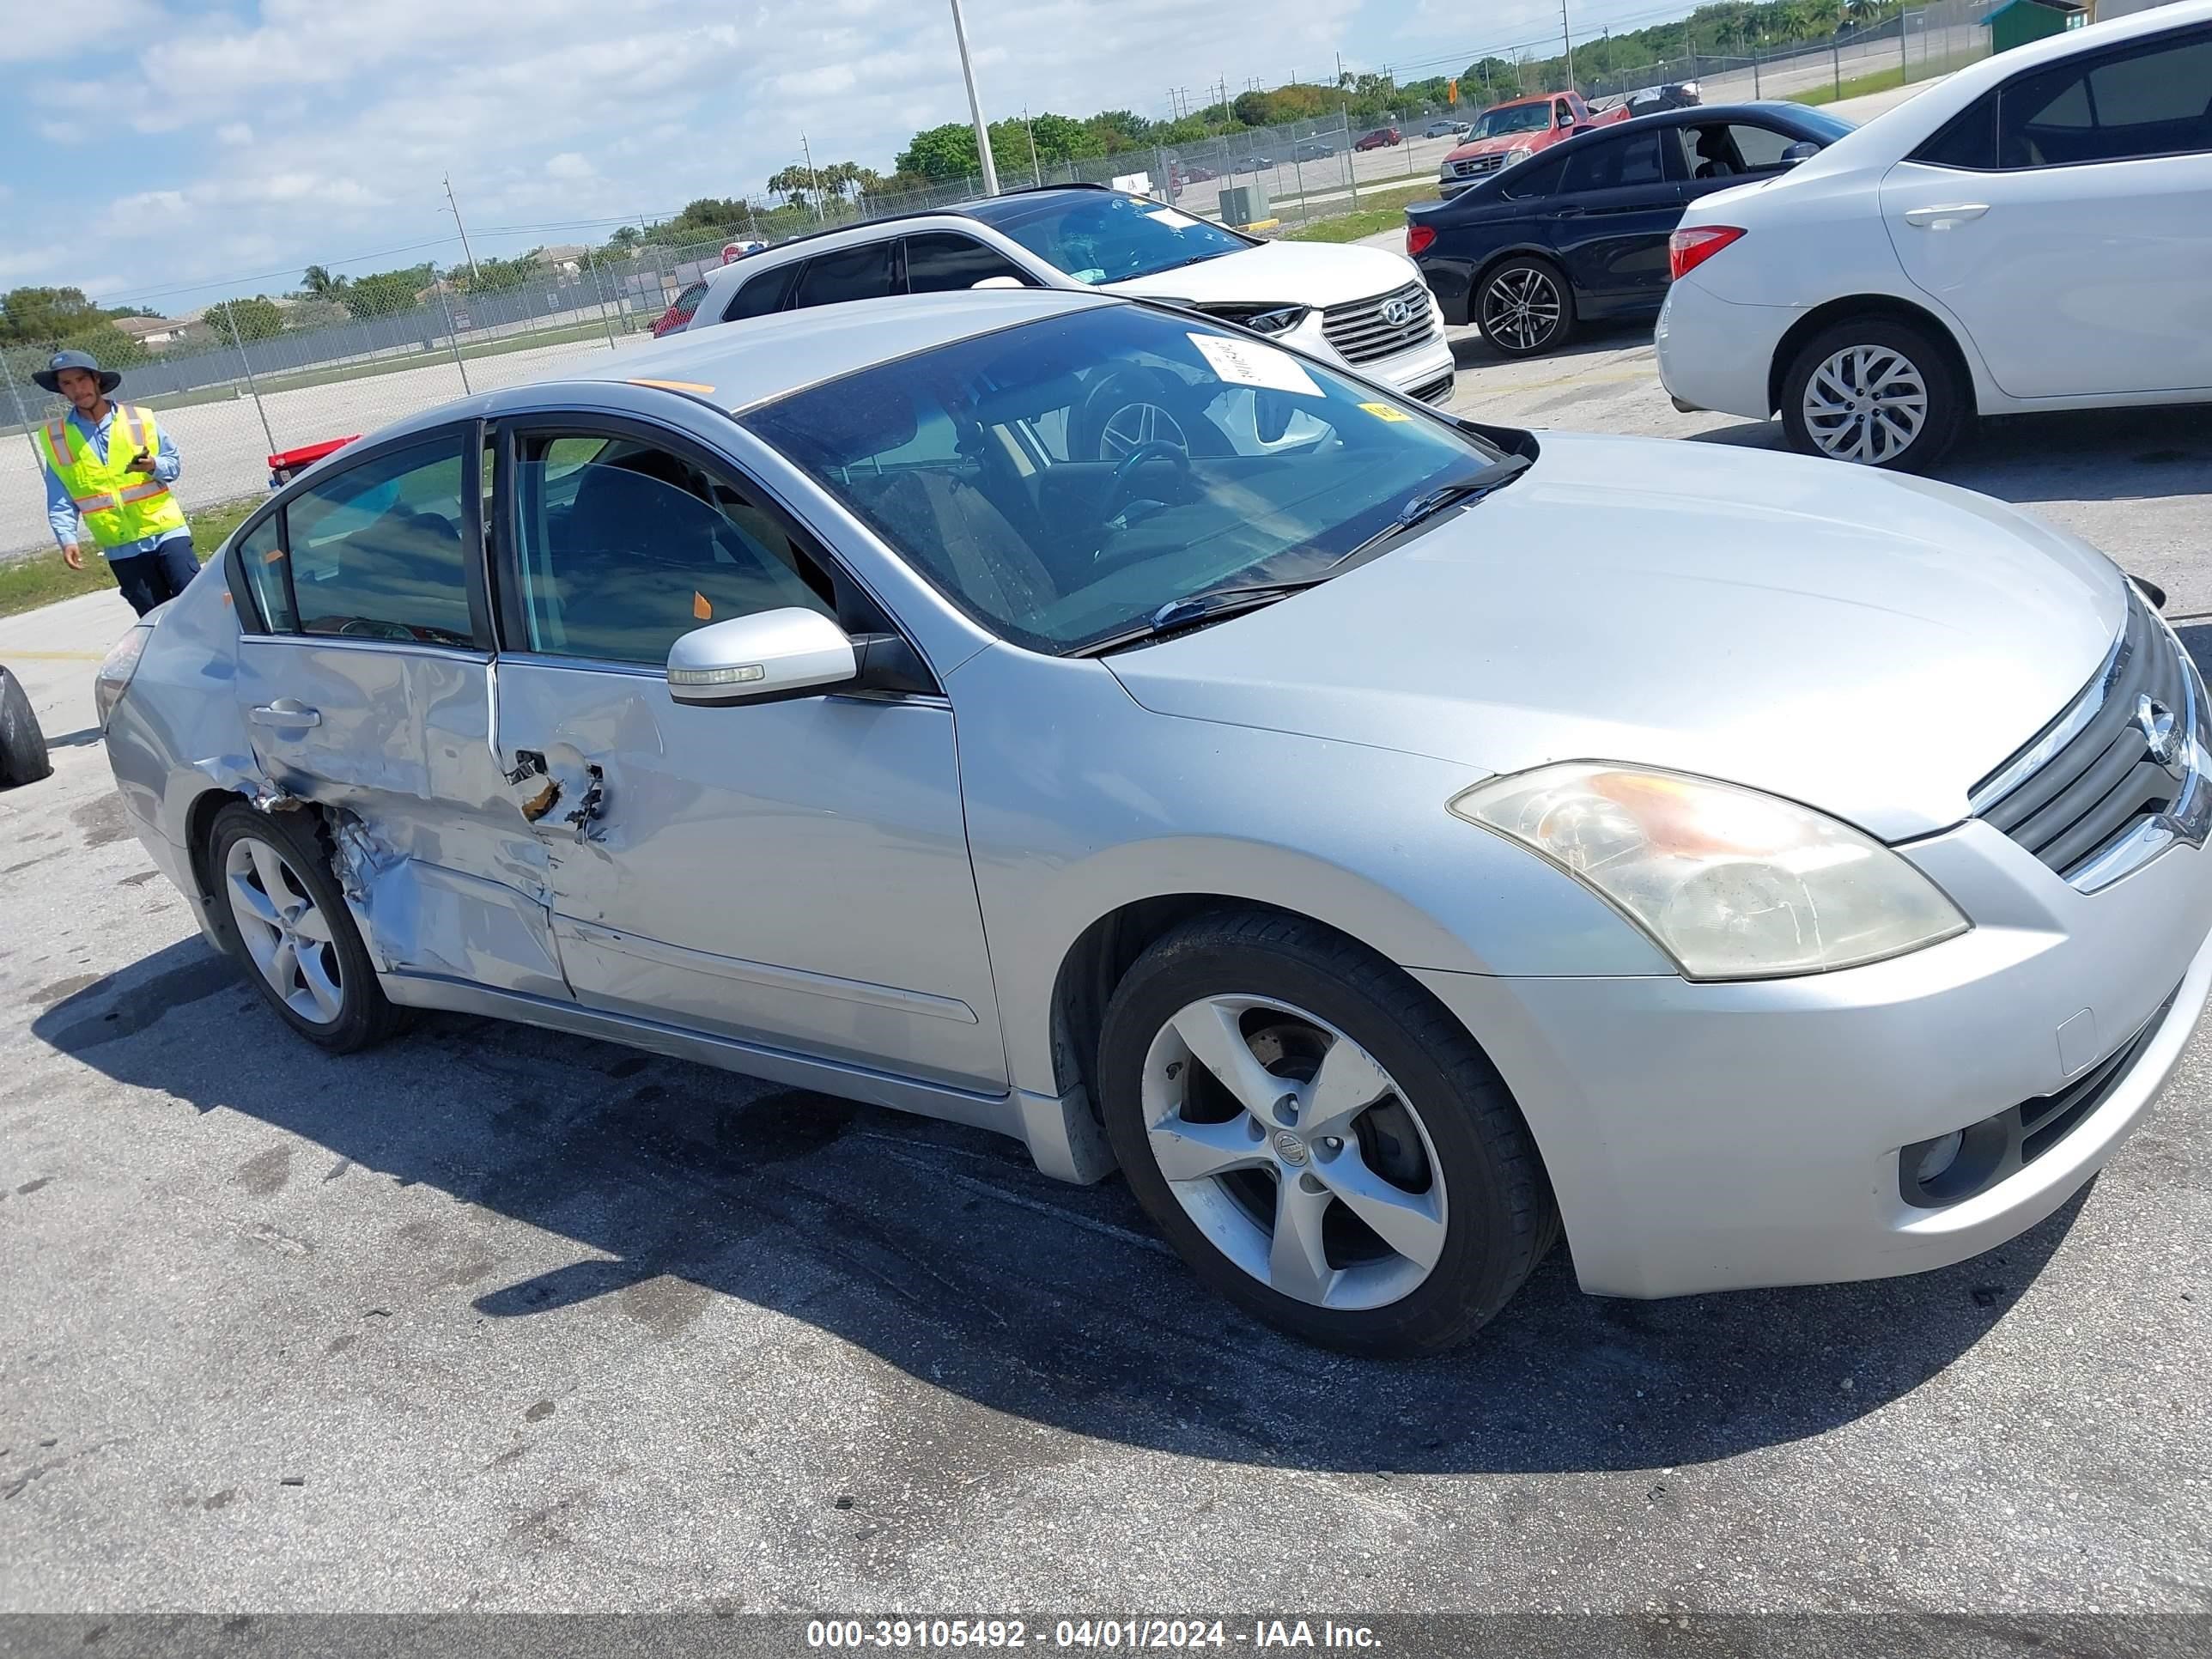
(1519, 117)
(1063, 480)
(1100, 236)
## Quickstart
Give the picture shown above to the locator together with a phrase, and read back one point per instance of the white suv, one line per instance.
(2034, 232)
(1365, 308)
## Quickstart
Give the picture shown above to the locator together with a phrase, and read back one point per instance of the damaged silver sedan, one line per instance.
(1393, 841)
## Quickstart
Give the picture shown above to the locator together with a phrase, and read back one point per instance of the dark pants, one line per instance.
(150, 578)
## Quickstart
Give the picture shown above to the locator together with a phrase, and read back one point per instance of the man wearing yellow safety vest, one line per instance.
(110, 467)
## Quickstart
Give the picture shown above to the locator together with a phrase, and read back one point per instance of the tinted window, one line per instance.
(761, 296)
(1760, 148)
(1616, 163)
(624, 547)
(852, 273)
(2156, 99)
(1279, 466)
(1102, 236)
(261, 555)
(942, 261)
(688, 301)
(377, 552)
(1969, 140)
(1530, 180)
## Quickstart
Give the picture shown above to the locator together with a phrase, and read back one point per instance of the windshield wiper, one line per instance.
(1422, 507)
(1212, 605)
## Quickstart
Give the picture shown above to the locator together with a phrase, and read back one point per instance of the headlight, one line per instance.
(1517, 154)
(1730, 882)
(115, 669)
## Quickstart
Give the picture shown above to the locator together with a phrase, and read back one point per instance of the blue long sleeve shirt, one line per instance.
(61, 511)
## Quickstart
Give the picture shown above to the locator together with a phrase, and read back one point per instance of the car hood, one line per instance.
(1475, 147)
(1871, 646)
(1287, 273)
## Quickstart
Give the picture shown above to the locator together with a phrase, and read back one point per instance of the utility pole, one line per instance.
(1035, 171)
(975, 104)
(814, 179)
(1344, 105)
(1566, 34)
(454, 207)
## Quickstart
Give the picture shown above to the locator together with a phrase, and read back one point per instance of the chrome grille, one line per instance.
(1475, 166)
(2092, 779)
(1360, 331)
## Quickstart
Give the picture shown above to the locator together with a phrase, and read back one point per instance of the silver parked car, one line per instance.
(1392, 841)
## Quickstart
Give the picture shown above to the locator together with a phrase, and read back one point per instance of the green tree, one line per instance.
(257, 319)
(320, 284)
(34, 316)
(942, 154)
(500, 276)
(386, 293)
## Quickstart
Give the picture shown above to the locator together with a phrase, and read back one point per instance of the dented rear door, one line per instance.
(369, 692)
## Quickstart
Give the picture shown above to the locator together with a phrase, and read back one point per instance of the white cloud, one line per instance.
(570, 166)
(236, 134)
(36, 31)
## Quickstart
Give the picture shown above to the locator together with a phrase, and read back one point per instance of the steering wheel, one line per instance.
(1118, 494)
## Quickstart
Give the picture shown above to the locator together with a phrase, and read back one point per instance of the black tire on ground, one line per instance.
(22, 746)
(1535, 294)
(365, 1017)
(1501, 1219)
(1948, 401)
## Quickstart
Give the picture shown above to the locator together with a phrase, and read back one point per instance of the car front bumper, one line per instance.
(1715, 354)
(1709, 1137)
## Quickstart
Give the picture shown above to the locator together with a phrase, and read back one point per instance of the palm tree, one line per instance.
(321, 284)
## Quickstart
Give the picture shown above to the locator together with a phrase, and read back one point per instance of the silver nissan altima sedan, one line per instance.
(1392, 841)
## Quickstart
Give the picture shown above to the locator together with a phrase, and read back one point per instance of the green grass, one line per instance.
(1887, 79)
(1378, 211)
(43, 579)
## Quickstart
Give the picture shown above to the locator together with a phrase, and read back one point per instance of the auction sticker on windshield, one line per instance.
(1246, 362)
(1384, 412)
(1174, 218)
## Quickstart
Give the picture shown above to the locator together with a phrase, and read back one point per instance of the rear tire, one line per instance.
(1874, 391)
(23, 756)
(1525, 307)
(1374, 1106)
(282, 915)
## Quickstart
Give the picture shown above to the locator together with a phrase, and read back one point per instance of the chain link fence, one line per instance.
(251, 378)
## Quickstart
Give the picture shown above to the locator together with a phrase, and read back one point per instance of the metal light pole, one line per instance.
(1567, 36)
(456, 208)
(975, 104)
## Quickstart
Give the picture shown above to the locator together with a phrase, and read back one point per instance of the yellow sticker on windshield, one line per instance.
(1384, 412)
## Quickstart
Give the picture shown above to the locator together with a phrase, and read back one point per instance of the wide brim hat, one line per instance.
(49, 379)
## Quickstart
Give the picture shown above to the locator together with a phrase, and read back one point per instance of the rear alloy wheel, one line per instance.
(1318, 1137)
(282, 915)
(1525, 308)
(1876, 392)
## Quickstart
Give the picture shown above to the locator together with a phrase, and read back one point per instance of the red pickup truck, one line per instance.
(1513, 131)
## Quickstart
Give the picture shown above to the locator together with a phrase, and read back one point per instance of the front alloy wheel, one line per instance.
(1318, 1136)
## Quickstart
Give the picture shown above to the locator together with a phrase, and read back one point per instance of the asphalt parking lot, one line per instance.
(491, 1319)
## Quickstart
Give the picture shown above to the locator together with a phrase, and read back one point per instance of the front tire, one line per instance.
(282, 916)
(1319, 1137)
(23, 756)
(1875, 392)
(1526, 307)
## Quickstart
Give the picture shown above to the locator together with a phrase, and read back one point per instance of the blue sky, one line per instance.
(222, 148)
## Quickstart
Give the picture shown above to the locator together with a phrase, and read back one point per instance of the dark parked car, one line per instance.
(1381, 138)
(1313, 149)
(1674, 94)
(1251, 164)
(1579, 232)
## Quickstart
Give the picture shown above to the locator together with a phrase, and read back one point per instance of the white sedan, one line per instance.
(2034, 233)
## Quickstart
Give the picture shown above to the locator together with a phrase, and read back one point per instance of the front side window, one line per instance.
(1103, 236)
(622, 546)
(1111, 461)
(2154, 100)
(260, 555)
(943, 262)
(1616, 163)
(852, 273)
(1565, 111)
(379, 552)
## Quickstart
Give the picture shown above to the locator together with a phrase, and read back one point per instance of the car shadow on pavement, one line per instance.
(1472, 348)
(940, 1250)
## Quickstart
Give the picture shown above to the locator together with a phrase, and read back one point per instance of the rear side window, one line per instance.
(762, 295)
(852, 273)
(2153, 100)
(261, 556)
(688, 301)
(942, 261)
(1616, 163)
(378, 551)
(1524, 182)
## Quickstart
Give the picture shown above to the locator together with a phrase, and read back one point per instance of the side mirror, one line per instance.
(757, 659)
(998, 282)
(1803, 150)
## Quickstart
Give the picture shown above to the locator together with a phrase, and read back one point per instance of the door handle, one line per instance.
(287, 711)
(1942, 218)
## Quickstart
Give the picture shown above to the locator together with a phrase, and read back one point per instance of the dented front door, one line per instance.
(793, 874)
(368, 691)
